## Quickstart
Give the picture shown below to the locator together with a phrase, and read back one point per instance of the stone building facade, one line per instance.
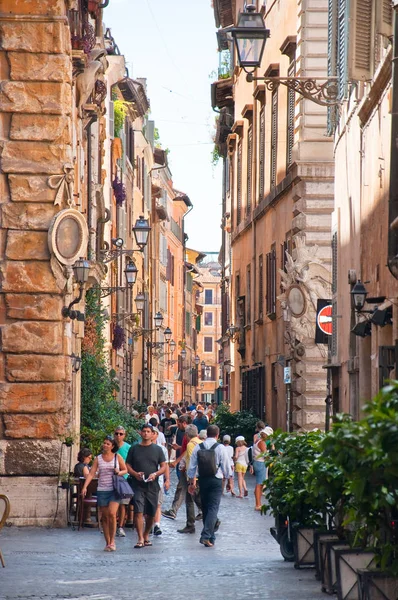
(277, 205)
(52, 133)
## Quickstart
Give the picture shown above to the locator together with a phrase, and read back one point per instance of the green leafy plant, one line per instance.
(100, 411)
(367, 454)
(236, 423)
(120, 110)
(288, 492)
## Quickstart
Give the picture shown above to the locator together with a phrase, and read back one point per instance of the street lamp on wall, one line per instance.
(130, 273)
(141, 232)
(358, 295)
(140, 301)
(183, 354)
(76, 363)
(250, 36)
(81, 270)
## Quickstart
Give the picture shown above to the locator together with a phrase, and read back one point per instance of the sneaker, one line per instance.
(157, 530)
(120, 532)
(186, 530)
(169, 514)
(199, 517)
(217, 525)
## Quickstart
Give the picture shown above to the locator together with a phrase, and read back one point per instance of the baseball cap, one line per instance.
(226, 438)
(240, 438)
(199, 408)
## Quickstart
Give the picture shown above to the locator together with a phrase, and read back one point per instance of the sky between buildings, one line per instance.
(173, 44)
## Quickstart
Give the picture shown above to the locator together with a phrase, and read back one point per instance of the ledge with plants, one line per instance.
(346, 481)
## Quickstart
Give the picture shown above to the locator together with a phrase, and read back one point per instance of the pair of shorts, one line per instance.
(240, 468)
(125, 501)
(145, 499)
(105, 497)
(260, 471)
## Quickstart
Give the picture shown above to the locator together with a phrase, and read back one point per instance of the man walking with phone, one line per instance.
(210, 463)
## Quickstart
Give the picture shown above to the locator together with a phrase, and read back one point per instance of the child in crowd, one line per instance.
(230, 483)
(241, 463)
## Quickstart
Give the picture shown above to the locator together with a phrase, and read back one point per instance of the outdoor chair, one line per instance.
(88, 501)
(4, 512)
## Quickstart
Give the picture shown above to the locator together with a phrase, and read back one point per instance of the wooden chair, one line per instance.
(4, 512)
(88, 500)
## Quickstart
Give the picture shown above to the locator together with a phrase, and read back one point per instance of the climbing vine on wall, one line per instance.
(100, 411)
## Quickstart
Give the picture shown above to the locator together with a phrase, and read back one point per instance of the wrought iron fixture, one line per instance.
(183, 354)
(358, 295)
(250, 36)
(76, 362)
(167, 337)
(131, 276)
(232, 333)
(158, 320)
(81, 269)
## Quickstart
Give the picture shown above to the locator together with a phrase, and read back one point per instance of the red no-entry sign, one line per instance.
(324, 319)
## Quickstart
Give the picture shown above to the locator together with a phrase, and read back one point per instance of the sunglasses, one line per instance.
(119, 433)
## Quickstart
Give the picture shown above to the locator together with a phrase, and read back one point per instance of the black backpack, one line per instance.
(207, 464)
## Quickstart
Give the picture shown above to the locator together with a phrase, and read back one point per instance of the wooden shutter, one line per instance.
(384, 17)
(290, 117)
(274, 137)
(261, 186)
(239, 185)
(168, 267)
(248, 294)
(342, 44)
(260, 286)
(361, 39)
(332, 61)
(249, 170)
(271, 284)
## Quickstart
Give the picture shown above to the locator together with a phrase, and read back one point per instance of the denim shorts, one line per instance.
(104, 498)
(260, 471)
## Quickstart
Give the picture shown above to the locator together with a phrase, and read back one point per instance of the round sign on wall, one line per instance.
(324, 319)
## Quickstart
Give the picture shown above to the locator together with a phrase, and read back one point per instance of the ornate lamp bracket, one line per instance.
(322, 91)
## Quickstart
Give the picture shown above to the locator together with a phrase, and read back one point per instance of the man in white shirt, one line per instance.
(210, 481)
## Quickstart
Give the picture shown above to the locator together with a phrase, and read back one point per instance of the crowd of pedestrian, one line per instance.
(185, 438)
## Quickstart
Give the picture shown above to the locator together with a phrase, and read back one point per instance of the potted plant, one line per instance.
(366, 452)
(65, 480)
(289, 496)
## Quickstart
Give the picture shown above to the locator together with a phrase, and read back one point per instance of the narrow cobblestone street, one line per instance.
(245, 563)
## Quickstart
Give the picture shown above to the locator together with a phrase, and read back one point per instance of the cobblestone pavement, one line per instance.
(244, 564)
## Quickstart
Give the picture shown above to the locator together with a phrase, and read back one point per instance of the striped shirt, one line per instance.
(105, 473)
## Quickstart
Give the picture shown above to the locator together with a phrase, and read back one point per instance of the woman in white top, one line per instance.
(106, 465)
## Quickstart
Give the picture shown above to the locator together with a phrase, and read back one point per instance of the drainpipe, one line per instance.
(392, 261)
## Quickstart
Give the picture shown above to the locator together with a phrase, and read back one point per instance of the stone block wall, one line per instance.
(35, 368)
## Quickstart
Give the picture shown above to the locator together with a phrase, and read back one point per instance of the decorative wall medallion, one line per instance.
(68, 236)
(296, 300)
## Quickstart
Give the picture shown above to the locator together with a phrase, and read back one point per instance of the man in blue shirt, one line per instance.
(200, 420)
(210, 485)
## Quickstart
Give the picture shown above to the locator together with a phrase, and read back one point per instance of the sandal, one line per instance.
(107, 548)
(233, 494)
(139, 545)
(147, 543)
(112, 547)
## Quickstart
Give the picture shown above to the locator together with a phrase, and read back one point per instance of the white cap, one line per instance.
(226, 438)
(267, 430)
(240, 438)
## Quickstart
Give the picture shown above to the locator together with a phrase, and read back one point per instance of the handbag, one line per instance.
(121, 486)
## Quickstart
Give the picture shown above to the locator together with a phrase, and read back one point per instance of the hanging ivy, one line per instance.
(100, 411)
